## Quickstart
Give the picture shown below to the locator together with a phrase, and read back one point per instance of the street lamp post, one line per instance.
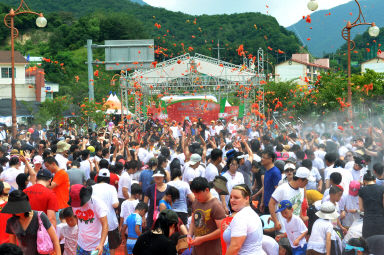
(346, 34)
(9, 22)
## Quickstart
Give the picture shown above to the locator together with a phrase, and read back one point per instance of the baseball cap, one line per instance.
(303, 172)
(195, 158)
(284, 205)
(291, 160)
(44, 173)
(79, 195)
(170, 215)
(289, 166)
(38, 160)
(104, 172)
(91, 149)
(354, 187)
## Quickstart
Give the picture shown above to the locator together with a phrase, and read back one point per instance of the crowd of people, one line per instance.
(224, 187)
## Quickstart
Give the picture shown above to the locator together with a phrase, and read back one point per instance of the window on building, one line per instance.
(6, 72)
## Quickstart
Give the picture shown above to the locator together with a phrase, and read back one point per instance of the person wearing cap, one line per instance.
(244, 234)
(320, 240)
(91, 213)
(61, 158)
(41, 198)
(156, 241)
(59, 183)
(193, 168)
(207, 215)
(295, 228)
(108, 194)
(154, 194)
(292, 191)
(219, 190)
(351, 204)
(22, 227)
(287, 176)
(212, 129)
(219, 127)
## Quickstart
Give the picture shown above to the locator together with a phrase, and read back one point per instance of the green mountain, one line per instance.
(71, 23)
(324, 31)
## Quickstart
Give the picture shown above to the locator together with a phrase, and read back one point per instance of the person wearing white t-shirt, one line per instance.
(108, 194)
(244, 234)
(294, 226)
(212, 169)
(91, 213)
(124, 188)
(9, 175)
(62, 147)
(219, 126)
(292, 191)
(193, 169)
(233, 176)
(85, 164)
(270, 246)
(320, 239)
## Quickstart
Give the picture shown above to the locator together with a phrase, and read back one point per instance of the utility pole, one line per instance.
(91, 81)
(218, 49)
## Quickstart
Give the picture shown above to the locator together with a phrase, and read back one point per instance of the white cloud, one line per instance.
(287, 12)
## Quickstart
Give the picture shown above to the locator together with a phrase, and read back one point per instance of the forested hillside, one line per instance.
(71, 23)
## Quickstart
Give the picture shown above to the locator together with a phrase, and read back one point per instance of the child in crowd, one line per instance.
(171, 194)
(351, 206)
(320, 240)
(132, 226)
(334, 179)
(69, 231)
(59, 227)
(295, 228)
(129, 205)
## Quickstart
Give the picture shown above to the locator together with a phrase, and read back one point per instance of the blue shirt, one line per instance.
(167, 205)
(146, 178)
(131, 222)
(271, 179)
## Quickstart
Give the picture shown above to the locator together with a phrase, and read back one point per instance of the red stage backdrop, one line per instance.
(194, 109)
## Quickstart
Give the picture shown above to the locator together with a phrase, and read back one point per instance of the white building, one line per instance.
(300, 70)
(375, 64)
(30, 83)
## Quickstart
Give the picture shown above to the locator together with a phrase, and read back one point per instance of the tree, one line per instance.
(53, 110)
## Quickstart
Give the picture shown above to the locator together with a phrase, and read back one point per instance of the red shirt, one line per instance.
(41, 198)
(4, 237)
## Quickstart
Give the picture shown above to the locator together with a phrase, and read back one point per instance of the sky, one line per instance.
(287, 12)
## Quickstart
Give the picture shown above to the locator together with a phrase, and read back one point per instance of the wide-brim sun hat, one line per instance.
(328, 211)
(18, 202)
